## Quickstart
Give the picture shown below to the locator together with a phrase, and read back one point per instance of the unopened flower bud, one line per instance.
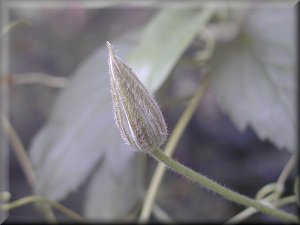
(136, 112)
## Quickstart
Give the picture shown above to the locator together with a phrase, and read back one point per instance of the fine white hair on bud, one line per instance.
(136, 112)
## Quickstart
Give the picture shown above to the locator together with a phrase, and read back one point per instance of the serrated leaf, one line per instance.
(163, 42)
(255, 76)
(110, 196)
(80, 131)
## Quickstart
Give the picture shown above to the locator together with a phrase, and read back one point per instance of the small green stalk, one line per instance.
(226, 193)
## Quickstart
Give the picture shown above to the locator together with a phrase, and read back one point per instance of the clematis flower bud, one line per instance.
(136, 112)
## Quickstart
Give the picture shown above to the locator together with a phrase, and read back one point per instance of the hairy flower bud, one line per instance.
(136, 112)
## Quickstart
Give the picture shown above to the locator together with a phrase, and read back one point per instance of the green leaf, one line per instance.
(163, 42)
(110, 196)
(80, 131)
(255, 76)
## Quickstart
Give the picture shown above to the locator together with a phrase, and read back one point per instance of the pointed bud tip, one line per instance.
(110, 48)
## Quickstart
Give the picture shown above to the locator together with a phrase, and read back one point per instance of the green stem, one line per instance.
(226, 193)
(24, 161)
(207, 13)
(285, 174)
(238, 218)
(250, 211)
(273, 192)
(18, 149)
(265, 190)
(39, 199)
(286, 200)
(47, 211)
(169, 149)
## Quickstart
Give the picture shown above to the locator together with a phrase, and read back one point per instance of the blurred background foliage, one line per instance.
(77, 154)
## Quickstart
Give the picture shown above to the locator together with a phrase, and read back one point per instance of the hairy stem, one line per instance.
(170, 147)
(226, 193)
(176, 134)
(270, 192)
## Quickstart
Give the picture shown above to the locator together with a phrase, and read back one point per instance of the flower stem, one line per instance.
(18, 149)
(226, 193)
(270, 192)
(39, 199)
(169, 149)
(23, 159)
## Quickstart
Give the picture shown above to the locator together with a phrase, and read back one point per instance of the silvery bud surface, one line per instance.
(136, 112)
